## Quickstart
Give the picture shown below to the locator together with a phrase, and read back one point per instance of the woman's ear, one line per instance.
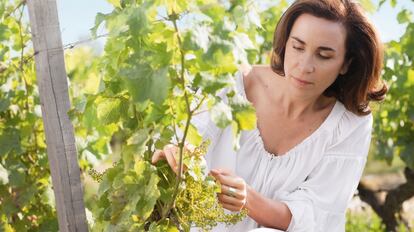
(345, 66)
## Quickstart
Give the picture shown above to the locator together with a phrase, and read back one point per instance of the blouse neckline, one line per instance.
(329, 120)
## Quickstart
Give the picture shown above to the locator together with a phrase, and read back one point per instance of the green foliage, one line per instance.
(394, 122)
(127, 196)
(26, 197)
(163, 63)
(365, 220)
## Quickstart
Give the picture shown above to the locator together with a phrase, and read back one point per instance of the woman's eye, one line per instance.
(324, 57)
(298, 48)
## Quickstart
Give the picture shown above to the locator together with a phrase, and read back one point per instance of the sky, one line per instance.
(78, 16)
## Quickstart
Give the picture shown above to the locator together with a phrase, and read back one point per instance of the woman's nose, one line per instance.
(306, 64)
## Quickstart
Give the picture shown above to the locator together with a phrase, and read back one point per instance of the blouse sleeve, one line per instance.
(321, 200)
(202, 120)
(204, 124)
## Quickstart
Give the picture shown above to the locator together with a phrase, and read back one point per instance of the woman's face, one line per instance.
(314, 55)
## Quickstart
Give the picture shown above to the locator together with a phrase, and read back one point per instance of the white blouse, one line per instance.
(316, 179)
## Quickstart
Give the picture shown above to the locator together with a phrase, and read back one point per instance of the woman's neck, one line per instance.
(296, 107)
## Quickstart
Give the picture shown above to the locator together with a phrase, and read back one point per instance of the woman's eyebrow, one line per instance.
(297, 39)
(320, 48)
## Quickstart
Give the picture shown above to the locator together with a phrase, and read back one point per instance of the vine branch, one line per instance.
(173, 17)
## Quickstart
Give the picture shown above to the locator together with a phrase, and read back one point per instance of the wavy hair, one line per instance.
(362, 83)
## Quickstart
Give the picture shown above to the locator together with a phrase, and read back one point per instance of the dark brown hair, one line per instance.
(362, 83)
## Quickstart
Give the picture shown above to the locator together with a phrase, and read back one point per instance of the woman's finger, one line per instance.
(231, 207)
(223, 171)
(238, 194)
(157, 156)
(169, 151)
(232, 181)
(189, 147)
(230, 200)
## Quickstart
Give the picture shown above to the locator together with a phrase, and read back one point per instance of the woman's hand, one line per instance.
(233, 189)
(170, 153)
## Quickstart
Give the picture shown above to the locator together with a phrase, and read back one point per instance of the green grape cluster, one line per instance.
(96, 176)
(197, 204)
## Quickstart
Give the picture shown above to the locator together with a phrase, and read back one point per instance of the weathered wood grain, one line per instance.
(54, 97)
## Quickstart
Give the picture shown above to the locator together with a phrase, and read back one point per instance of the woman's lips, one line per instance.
(302, 82)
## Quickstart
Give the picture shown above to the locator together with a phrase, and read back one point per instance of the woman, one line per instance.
(301, 165)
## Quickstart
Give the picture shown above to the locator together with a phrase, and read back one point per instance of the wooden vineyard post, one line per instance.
(54, 97)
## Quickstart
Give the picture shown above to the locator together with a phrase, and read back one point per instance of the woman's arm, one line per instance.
(267, 212)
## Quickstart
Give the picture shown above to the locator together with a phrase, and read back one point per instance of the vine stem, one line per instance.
(173, 17)
(21, 65)
(21, 3)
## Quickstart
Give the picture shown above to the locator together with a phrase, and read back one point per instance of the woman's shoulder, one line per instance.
(351, 128)
(255, 75)
(349, 119)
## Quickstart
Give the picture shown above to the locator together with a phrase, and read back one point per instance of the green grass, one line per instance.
(368, 221)
(363, 221)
